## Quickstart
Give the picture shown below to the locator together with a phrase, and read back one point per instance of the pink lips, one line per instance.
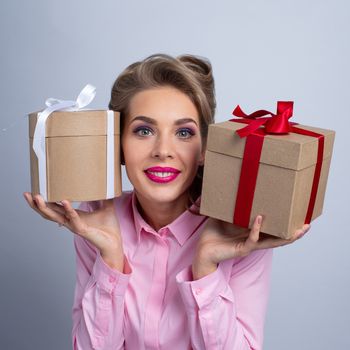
(162, 179)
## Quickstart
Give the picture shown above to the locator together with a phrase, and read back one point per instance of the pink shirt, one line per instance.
(154, 303)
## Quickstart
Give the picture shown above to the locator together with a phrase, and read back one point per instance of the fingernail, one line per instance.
(259, 219)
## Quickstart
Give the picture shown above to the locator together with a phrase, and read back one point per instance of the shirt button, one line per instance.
(163, 231)
(198, 291)
(112, 279)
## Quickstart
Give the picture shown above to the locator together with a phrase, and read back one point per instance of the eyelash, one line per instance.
(141, 128)
(189, 131)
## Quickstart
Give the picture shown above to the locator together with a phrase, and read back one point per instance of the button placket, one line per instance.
(154, 305)
(163, 232)
(198, 291)
(112, 279)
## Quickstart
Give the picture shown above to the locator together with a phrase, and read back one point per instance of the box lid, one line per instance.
(78, 123)
(292, 151)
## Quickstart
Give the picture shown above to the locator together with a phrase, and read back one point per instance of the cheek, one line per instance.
(134, 153)
(191, 154)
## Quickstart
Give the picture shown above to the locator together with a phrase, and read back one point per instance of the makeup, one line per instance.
(162, 174)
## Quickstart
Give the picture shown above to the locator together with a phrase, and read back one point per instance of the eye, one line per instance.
(142, 131)
(185, 133)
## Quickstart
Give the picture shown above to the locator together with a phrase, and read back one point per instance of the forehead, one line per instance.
(164, 104)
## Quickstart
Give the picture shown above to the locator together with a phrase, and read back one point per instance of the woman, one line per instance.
(151, 272)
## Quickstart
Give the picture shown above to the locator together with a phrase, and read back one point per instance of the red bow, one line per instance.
(274, 124)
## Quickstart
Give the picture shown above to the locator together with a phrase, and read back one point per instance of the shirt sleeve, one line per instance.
(98, 307)
(228, 313)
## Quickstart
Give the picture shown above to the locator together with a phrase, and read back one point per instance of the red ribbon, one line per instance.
(259, 126)
(275, 124)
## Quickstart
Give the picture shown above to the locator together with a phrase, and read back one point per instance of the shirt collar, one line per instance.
(182, 227)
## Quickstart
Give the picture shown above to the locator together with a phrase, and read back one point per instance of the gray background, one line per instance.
(261, 52)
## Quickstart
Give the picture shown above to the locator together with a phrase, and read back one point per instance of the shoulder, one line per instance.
(124, 199)
(120, 201)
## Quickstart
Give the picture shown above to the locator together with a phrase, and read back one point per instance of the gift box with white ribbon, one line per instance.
(75, 153)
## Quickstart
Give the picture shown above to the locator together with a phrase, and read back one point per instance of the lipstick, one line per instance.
(162, 174)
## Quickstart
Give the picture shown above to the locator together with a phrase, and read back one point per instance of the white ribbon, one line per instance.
(39, 140)
(110, 155)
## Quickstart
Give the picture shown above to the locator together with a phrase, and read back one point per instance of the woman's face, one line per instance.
(162, 144)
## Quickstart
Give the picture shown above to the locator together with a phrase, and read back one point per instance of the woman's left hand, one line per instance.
(222, 240)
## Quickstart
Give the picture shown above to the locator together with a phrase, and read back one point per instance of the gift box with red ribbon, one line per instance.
(263, 163)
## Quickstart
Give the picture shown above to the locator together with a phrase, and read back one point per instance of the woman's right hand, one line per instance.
(100, 227)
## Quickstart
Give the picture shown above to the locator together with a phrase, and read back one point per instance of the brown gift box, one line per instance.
(76, 155)
(284, 181)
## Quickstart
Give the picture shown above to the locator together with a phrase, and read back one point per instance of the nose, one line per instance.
(163, 148)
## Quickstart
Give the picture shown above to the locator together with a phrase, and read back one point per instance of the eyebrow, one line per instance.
(154, 122)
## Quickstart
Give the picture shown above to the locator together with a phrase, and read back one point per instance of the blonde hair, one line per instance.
(190, 74)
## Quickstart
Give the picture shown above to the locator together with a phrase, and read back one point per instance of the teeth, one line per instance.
(160, 174)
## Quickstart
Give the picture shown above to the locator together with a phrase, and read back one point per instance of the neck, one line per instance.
(159, 214)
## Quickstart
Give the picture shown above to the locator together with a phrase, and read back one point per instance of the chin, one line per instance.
(162, 195)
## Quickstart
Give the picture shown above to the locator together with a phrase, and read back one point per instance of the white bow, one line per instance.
(85, 97)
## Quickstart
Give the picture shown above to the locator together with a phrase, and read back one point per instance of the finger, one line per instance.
(59, 208)
(32, 203)
(73, 217)
(49, 213)
(272, 242)
(255, 230)
(300, 233)
(28, 197)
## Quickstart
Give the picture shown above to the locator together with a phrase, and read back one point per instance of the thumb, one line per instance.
(255, 230)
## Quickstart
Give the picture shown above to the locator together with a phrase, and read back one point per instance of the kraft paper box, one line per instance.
(76, 155)
(283, 184)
